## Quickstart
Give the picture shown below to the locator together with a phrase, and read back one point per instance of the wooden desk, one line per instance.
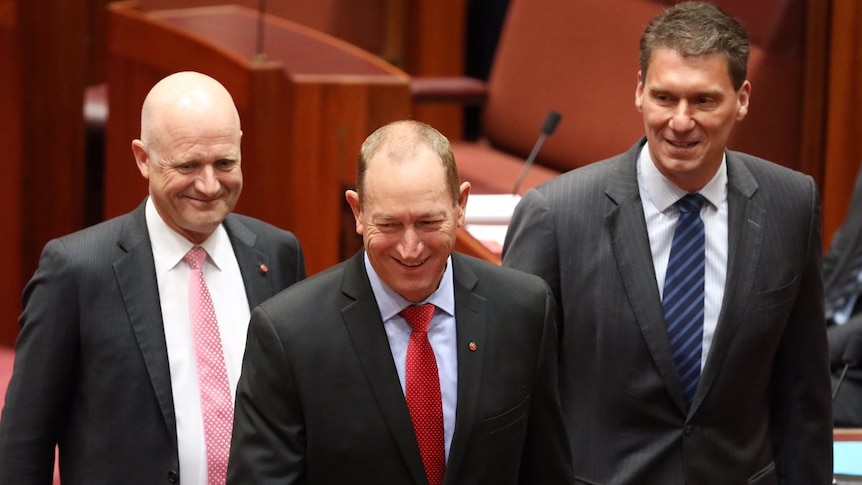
(466, 243)
(305, 110)
(847, 434)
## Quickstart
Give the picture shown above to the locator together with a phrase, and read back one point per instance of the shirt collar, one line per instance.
(169, 247)
(665, 193)
(391, 303)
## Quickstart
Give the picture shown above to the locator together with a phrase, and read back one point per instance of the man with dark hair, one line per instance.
(688, 276)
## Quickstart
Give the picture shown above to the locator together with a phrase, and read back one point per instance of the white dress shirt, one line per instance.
(224, 281)
(658, 196)
(441, 334)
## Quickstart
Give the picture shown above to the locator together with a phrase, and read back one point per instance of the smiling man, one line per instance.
(688, 276)
(342, 383)
(113, 365)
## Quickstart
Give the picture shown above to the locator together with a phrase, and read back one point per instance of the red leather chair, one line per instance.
(581, 58)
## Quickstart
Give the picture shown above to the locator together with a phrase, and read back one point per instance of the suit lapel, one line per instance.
(251, 262)
(363, 322)
(635, 265)
(745, 225)
(136, 279)
(471, 319)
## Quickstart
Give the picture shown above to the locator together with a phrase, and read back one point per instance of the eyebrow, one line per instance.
(712, 93)
(424, 215)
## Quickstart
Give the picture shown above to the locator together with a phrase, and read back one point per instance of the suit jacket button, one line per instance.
(689, 429)
(173, 477)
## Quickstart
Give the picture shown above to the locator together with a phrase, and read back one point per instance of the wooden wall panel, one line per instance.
(42, 45)
(303, 119)
(10, 171)
(843, 154)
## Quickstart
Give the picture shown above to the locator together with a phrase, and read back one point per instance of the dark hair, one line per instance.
(697, 29)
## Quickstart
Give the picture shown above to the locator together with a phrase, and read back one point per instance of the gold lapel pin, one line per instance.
(472, 346)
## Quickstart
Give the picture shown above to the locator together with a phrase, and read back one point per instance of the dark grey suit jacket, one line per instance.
(319, 401)
(91, 365)
(836, 264)
(761, 413)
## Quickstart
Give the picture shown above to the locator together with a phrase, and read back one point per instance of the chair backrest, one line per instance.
(580, 57)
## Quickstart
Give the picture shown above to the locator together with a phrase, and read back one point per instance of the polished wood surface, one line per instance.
(435, 50)
(10, 187)
(847, 434)
(305, 110)
(42, 47)
(466, 243)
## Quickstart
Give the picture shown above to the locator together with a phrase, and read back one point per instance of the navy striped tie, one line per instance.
(682, 299)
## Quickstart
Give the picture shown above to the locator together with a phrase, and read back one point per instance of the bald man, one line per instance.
(107, 363)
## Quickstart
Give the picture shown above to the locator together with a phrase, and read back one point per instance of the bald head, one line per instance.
(185, 97)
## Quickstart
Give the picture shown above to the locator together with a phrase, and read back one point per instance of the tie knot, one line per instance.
(418, 316)
(690, 203)
(195, 257)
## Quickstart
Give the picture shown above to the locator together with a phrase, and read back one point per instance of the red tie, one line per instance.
(423, 393)
(216, 401)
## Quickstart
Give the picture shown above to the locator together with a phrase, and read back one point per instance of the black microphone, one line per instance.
(547, 130)
(851, 358)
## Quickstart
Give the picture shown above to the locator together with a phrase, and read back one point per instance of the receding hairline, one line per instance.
(399, 141)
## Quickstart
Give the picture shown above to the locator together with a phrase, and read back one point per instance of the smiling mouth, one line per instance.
(680, 144)
(412, 265)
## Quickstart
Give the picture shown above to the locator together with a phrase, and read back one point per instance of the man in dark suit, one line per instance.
(736, 390)
(842, 285)
(105, 363)
(328, 385)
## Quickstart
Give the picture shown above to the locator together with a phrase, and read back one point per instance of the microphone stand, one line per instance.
(548, 128)
(259, 55)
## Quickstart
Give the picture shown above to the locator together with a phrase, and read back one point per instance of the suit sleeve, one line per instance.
(268, 444)
(42, 383)
(547, 456)
(800, 404)
(531, 242)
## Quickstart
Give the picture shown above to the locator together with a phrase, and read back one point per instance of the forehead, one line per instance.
(411, 181)
(668, 65)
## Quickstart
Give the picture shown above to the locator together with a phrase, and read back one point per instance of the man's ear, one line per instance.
(141, 158)
(353, 201)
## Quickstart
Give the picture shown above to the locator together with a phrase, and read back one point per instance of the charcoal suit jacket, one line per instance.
(761, 414)
(91, 366)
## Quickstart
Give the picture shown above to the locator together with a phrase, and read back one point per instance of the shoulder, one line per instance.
(588, 175)
(495, 279)
(769, 181)
(258, 227)
(319, 291)
(765, 170)
(98, 241)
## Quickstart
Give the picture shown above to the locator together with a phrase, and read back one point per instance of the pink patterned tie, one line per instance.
(216, 401)
(423, 393)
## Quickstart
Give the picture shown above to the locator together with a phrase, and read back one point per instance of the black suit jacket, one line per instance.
(91, 366)
(761, 413)
(846, 242)
(319, 401)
